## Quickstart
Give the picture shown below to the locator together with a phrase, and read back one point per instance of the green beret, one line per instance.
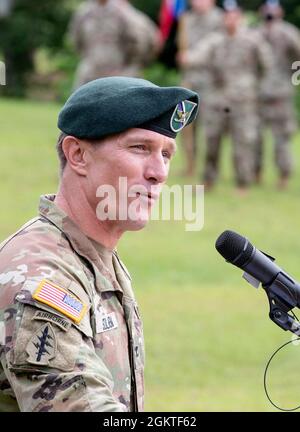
(112, 105)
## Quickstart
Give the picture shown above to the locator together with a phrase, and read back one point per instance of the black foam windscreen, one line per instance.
(232, 245)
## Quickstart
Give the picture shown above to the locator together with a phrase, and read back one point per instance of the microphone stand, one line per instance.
(282, 300)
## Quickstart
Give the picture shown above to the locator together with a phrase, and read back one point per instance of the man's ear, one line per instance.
(75, 152)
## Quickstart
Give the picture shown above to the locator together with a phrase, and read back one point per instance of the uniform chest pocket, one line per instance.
(138, 338)
(135, 328)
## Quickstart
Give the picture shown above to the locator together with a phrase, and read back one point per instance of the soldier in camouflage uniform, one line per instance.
(203, 19)
(277, 91)
(105, 39)
(147, 35)
(71, 335)
(236, 61)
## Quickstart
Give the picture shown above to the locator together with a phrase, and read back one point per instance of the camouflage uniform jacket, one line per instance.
(236, 63)
(147, 35)
(284, 39)
(52, 359)
(104, 37)
(193, 29)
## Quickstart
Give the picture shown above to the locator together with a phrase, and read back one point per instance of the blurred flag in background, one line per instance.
(170, 11)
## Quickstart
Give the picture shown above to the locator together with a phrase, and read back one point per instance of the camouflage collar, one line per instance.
(79, 241)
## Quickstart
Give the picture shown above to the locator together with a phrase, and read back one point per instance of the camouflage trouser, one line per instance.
(240, 121)
(279, 115)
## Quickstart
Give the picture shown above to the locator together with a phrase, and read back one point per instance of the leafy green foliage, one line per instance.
(150, 7)
(32, 24)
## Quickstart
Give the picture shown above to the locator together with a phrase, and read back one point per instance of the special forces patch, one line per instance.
(181, 115)
(42, 346)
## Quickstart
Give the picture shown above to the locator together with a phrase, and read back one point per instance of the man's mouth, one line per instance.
(150, 196)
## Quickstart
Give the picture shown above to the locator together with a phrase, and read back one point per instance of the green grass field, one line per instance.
(208, 335)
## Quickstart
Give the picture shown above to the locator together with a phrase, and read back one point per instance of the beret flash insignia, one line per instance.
(181, 115)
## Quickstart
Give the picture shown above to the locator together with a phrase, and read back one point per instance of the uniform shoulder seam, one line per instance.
(28, 224)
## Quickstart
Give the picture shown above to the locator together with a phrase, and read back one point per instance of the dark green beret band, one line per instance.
(112, 105)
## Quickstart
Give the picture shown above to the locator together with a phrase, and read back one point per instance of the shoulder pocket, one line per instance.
(40, 343)
(62, 299)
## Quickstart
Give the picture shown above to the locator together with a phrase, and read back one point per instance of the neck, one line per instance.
(232, 32)
(270, 23)
(73, 201)
(203, 12)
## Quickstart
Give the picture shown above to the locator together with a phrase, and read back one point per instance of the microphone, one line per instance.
(240, 252)
(282, 290)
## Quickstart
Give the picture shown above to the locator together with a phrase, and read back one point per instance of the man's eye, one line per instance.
(166, 155)
(139, 147)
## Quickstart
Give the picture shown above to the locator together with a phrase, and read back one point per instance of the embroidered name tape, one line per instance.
(106, 322)
(60, 299)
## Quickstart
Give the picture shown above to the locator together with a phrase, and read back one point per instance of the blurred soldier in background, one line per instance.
(147, 34)
(236, 59)
(194, 25)
(6, 7)
(276, 96)
(105, 39)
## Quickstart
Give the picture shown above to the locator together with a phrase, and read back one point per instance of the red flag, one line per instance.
(166, 18)
(170, 10)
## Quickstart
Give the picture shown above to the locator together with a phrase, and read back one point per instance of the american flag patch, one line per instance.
(60, 299)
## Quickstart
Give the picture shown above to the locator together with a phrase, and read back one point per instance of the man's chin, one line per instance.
(136, 225)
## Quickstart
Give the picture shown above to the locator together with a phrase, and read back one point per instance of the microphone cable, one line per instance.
(266, 370)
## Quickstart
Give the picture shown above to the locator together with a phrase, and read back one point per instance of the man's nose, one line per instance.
(156, 169)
